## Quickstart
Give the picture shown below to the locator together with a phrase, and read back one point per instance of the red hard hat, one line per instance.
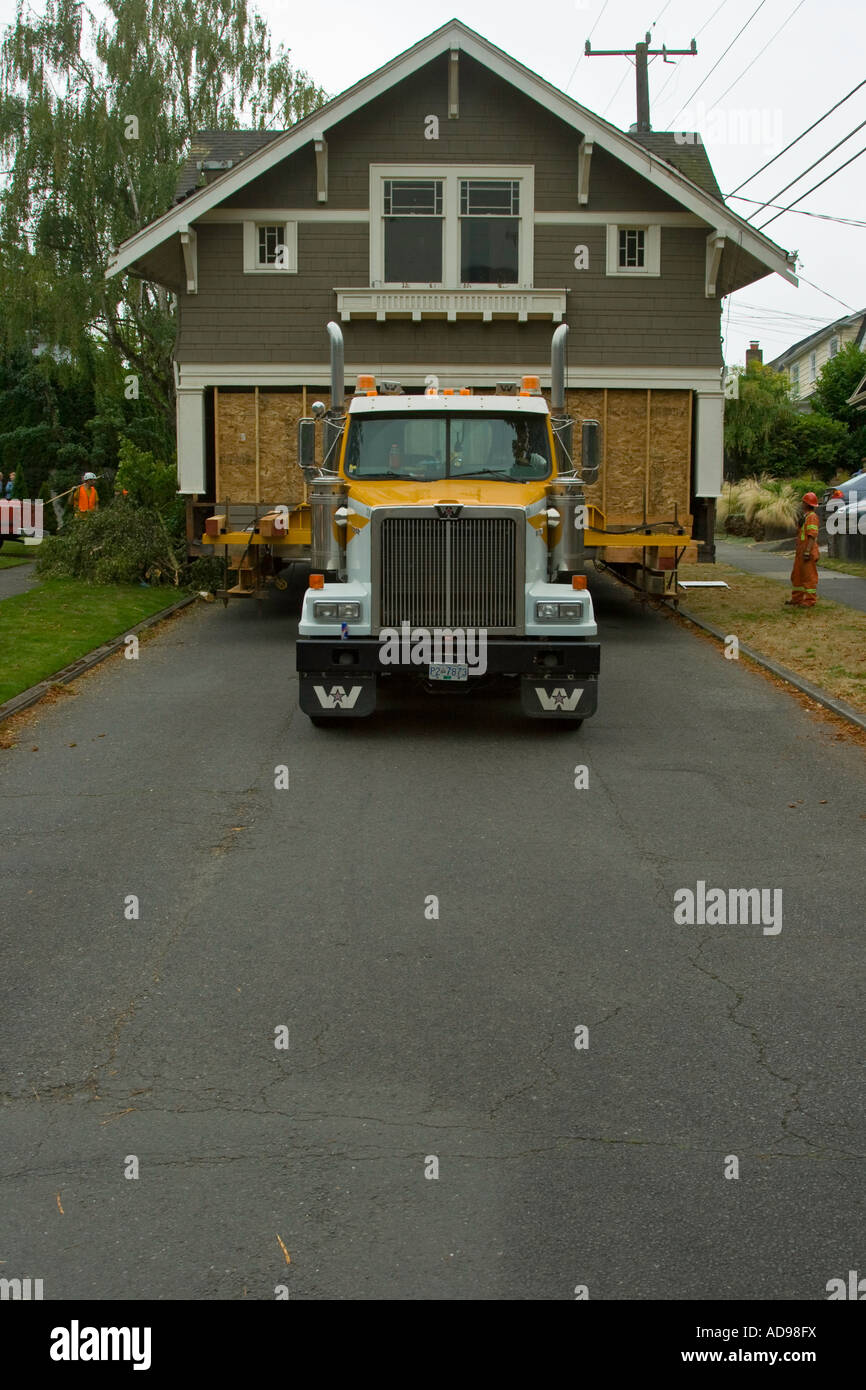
(811, 499)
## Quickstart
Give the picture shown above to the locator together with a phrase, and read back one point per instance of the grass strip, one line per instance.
(17, 553)
(62, 620)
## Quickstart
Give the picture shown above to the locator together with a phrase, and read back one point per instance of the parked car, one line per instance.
(841, 492)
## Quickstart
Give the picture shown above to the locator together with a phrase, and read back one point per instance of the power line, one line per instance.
(826, 155)
(800, 212)
(719, 60)
(849, 307)
(582, 53)
(669, 79)
(760, 53)
(820, 184)
(798, 138)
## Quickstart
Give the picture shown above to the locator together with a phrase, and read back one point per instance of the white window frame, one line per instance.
(813, 366)
(450, 176)
(251, 247)
(794, 376)
(834, 346)
(652, 249)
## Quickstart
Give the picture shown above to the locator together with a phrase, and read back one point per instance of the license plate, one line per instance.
(448, 673)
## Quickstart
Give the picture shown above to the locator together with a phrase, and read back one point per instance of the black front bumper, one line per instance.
(558, 676)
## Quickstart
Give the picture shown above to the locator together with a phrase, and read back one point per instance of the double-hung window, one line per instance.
(451, 227)
(489, 231)
(413, 230)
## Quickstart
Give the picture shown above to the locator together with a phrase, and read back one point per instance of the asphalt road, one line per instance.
(411, 1038)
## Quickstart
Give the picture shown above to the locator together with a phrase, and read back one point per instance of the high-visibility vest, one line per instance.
(87, 499)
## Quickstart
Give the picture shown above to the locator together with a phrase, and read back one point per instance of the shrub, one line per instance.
(148, 482)
(206, 573)
(119, 544)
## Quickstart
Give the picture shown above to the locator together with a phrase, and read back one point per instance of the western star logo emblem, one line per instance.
(449, 511)
(559, 698)
(336, 697)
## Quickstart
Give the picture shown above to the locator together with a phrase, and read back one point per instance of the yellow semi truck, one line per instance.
(447, 545)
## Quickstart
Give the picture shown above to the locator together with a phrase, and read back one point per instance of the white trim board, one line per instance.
(455, 35)
(581, 218)
(285, 215)
(197, 376)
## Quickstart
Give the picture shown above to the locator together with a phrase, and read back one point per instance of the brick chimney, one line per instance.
(754, 354)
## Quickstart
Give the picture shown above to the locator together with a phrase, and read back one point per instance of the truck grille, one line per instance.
(449, 573)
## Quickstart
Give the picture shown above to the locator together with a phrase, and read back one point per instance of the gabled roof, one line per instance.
(814, 338)
(635, 154)
(218, 145)
(688, 155)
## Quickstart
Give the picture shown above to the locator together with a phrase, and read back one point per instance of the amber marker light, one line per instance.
(578, 581)
(317, 581)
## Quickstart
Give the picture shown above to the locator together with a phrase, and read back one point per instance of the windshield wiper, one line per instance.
(483, 473)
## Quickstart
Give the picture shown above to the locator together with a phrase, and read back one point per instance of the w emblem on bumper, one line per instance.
(558, 699)
(336, 697)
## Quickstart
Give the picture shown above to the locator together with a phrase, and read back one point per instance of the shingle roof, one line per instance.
(690, 159)
(218, 145)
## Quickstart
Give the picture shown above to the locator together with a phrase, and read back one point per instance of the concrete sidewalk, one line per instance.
(17, 579)
(776, 564)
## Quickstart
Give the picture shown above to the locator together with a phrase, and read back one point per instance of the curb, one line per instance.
(814, 692)
(84, 663)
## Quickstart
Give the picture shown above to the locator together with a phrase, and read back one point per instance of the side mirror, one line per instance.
(590, 451)
(307, 444)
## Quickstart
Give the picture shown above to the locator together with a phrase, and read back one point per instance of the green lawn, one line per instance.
(63, 619)
(17, 553)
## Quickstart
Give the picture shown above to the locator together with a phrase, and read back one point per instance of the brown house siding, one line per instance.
(614, 321)
(497, 125)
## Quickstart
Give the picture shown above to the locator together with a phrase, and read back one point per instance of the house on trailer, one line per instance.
(449, 211)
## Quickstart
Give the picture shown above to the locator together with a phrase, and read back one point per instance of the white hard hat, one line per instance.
(90, 477)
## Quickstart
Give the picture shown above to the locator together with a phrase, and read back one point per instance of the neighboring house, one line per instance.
(803, 361)
(449, 211)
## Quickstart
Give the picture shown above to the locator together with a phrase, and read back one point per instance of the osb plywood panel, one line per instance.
(638, 427)
(670, 455)
(280, 479)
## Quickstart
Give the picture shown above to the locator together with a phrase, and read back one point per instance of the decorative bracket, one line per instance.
(189, 246)
(584, 159)
(715, 247)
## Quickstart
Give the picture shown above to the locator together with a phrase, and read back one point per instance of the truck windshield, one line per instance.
(513, 448)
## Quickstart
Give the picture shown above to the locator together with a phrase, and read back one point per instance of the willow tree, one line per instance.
(96, 117)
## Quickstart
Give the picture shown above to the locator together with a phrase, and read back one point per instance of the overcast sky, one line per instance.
(749, 106)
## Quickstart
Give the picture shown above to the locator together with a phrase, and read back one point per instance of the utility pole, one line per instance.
(641, 52)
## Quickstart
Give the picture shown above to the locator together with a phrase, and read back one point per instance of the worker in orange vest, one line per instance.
(804, 575)
(86, 498)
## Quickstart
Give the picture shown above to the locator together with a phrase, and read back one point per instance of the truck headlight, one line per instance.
(559, 612)
(337, 612)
